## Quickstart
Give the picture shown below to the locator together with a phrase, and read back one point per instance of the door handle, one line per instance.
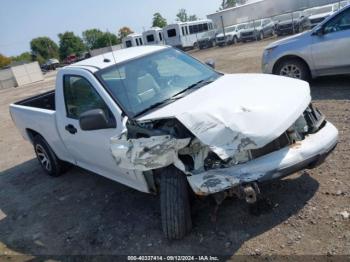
(71, 129)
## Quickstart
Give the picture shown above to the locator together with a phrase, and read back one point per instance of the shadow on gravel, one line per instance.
(331, 88)
(82, 213)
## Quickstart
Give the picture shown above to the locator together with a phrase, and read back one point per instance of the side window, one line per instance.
(80, 96)
(160, 36)
(183, 30)
(128, 43)
(205, 27)
(200, 28)
(141, 43)
(150, 38)
(171, 33)
(339, 23)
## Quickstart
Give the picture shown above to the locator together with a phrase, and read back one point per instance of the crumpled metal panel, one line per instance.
(145, 154)
(271, 165)
(239, 112)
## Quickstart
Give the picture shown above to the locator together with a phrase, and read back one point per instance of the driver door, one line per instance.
(330, 50)
(91, 149)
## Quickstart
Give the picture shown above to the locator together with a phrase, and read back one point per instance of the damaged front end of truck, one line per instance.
(218, 158)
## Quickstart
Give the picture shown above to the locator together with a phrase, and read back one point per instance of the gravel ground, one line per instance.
(82, 213)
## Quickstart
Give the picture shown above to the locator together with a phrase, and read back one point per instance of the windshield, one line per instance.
(230, 29)
(140, 84)
(240, 27)
(321, 10)
(250, 25)
(282, 18)
(205, 35)
(286, 17)
(297, 15)
(257, 23)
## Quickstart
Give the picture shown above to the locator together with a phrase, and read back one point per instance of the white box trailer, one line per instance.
(131, 40)
(187, 34)
(153, 36)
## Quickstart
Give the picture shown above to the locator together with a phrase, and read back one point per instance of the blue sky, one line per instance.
(22, 20)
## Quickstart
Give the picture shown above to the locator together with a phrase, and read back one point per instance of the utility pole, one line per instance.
(222, 25)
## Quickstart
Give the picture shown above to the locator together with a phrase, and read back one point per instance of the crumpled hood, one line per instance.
(239, 112)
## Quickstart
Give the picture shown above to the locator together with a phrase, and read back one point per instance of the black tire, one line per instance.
(174, 204)
(235, 40)
(300, 29)
(293, 62)
(261, 35)
(53, 166)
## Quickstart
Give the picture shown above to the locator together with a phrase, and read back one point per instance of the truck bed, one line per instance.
(43, 101)
(37, 113)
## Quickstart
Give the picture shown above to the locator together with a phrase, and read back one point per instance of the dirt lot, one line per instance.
(82, 213)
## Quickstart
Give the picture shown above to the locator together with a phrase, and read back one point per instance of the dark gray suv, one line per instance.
(258, 30)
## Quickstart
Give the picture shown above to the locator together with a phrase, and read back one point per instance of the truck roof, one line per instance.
(116, 57)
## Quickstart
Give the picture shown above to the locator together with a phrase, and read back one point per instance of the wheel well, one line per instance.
(32, 133)
(282, 59)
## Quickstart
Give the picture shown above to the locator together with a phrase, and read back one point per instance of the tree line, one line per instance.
(43, 48)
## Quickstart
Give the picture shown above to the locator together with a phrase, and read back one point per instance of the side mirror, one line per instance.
(319, 31)
(95, 119)
(210, 62)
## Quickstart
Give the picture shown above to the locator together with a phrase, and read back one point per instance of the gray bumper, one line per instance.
(304, 154)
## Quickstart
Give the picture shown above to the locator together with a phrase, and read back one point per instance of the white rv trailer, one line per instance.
(153, 36)
(187, 34)
(131, 40)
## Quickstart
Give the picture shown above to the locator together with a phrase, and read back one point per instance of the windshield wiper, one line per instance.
(195, 85)
(175, 97)
(152, 107)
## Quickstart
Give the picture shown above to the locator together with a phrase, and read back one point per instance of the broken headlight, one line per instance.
(314, 118)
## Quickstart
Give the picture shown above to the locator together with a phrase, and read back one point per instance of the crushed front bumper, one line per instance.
(304, 154)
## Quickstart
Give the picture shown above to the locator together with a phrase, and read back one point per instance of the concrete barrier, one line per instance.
(20, 75)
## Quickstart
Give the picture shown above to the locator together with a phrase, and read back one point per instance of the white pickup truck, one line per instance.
(159, 121)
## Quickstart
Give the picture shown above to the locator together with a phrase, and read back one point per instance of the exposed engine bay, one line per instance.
(151, 145)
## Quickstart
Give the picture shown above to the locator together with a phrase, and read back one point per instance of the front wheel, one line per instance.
(235, 40)
(175, 204)
(293, 68)
(261, 36)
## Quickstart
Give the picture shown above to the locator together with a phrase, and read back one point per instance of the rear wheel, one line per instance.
(175, 204)
(293, 68)
(47, 158)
